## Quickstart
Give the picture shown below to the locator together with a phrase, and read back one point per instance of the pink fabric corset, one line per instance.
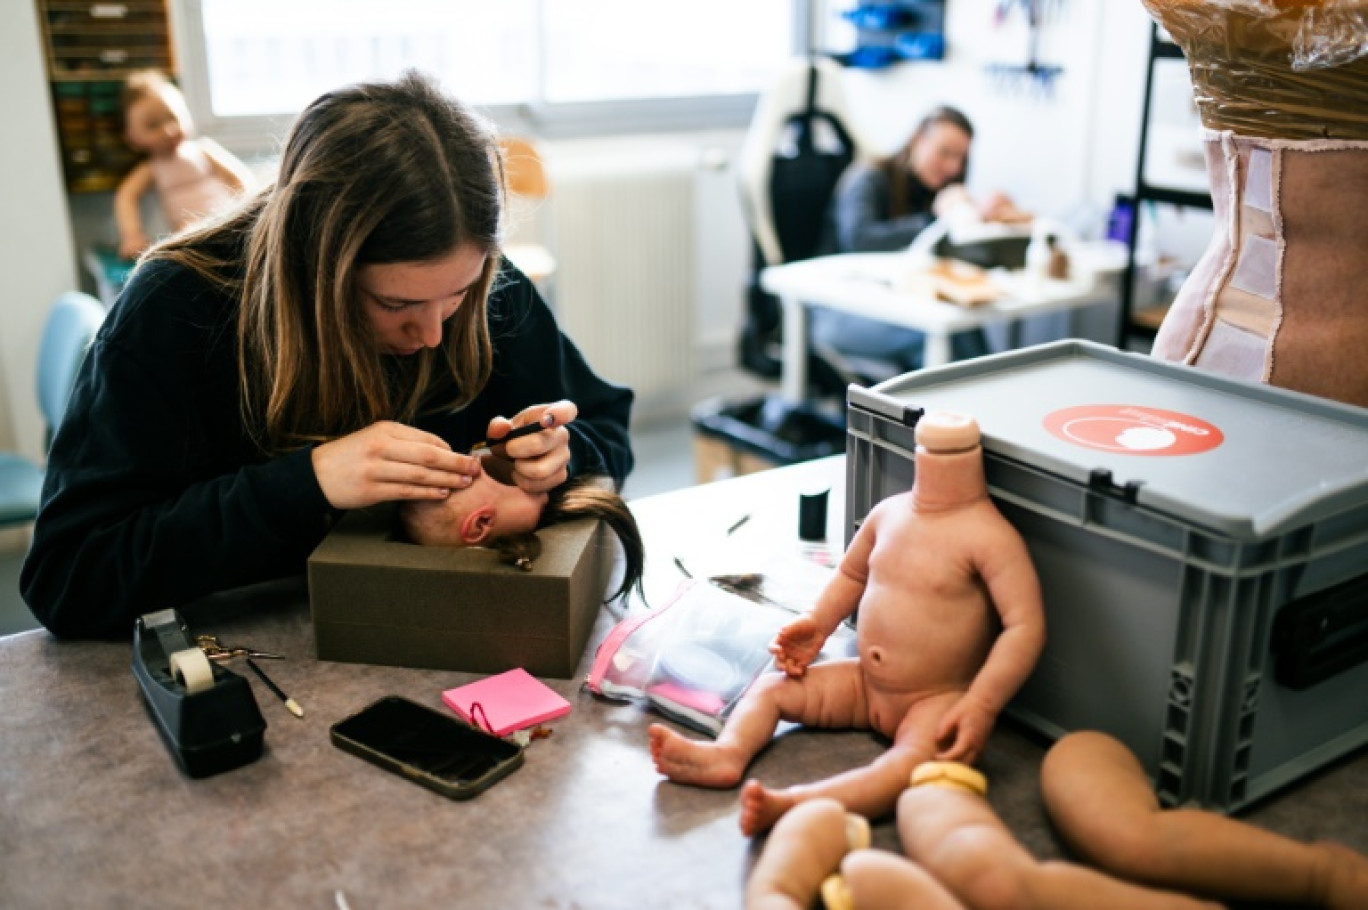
(1279, 295)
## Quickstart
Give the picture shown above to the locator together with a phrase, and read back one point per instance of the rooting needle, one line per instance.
(517, 433)
(290, 703)
(739, 522)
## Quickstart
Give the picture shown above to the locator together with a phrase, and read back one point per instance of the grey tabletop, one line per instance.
(94, 812)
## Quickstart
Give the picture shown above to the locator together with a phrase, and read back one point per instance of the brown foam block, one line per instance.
(378, 599)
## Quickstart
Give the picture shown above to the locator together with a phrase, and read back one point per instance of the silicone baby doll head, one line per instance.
(494, 512)
(487, 510)
(156, 119)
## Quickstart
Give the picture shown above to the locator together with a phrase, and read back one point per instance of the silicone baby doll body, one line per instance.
(194, 177)
(950, 625)
(960, 856)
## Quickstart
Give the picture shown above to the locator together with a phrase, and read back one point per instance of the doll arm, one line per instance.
(799, 642)
(227, 166)
(1011, 580)
(127, 198)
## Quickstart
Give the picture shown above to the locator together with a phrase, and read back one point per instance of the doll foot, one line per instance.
(761, 808)
(1346, 876)
(687, 761)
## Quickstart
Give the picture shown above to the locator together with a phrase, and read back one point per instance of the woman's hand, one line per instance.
(953, 203)
(541, 460)
(388, 461)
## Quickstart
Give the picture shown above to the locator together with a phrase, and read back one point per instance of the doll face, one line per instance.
(156, 123)
(938, 157)
(406, 303)
(490, 508)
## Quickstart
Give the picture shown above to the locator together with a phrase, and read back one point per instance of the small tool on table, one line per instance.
(216, 650)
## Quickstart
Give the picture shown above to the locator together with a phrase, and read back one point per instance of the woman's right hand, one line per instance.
(388, 461)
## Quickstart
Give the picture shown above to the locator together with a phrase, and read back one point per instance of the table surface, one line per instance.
(871, 284)
(876, 286)
(94, 813)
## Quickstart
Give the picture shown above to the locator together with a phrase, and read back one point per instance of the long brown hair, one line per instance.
(896, 166)
(370, 174)
(586, 499)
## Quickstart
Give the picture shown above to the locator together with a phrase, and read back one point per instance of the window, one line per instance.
(551, 66)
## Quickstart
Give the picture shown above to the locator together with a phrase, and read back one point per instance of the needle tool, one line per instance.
(290, 703)
(517, 433)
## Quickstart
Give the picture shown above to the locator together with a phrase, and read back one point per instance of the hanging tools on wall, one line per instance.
(1033, 76)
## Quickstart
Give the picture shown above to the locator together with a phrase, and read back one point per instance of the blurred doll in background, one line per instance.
(194, 177)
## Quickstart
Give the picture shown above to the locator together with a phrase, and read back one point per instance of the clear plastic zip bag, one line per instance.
(694, 657)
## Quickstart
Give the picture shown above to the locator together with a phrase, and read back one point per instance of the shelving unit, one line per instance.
(895, 31)
(91, 46)
(1143, 322)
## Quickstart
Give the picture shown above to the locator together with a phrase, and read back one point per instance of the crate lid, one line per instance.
(1243, 459)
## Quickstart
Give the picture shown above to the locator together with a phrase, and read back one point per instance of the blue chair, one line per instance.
(71, 326)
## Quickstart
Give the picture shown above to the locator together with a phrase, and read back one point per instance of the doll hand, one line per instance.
(797, 645)
(963, 731)
(131, 244)
(540, 461)
(388, 461)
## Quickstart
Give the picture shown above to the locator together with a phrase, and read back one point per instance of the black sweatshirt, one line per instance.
(155, 495)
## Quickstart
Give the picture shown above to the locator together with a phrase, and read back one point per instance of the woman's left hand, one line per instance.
(541, 460)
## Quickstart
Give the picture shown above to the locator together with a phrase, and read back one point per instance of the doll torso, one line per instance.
(187, 185)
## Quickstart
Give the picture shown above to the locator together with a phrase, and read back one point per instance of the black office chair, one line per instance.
(796, 148)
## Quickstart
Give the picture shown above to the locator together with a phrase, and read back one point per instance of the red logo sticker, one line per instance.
(1134, 430)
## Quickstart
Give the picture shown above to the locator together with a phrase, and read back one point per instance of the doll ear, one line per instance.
(477, 524)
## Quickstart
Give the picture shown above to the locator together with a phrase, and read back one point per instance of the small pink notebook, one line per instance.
(509, 701)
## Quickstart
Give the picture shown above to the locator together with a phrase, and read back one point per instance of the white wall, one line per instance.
(36, 252)
(1053, 151)
(1065, 153)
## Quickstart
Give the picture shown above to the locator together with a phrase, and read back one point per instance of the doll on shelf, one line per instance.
(950, 625)
(194, 176)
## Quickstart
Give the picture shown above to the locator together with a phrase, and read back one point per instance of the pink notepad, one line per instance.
(510, 701)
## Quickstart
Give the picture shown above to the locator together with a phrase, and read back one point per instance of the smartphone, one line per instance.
(430, 748)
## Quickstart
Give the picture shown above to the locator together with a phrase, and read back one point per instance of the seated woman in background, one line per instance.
(881, 206)
(495, 512)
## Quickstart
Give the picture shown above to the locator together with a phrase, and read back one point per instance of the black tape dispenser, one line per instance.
(206, 715)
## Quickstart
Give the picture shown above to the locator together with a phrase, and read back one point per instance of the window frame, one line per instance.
(547, 120)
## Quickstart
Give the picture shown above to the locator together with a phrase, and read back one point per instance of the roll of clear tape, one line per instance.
(192, 669)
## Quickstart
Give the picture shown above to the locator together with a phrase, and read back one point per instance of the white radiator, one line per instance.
(625, 284)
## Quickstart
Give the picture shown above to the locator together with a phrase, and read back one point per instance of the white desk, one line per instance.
(874, 285)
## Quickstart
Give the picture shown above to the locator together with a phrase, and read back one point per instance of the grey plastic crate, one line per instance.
(1208, 609)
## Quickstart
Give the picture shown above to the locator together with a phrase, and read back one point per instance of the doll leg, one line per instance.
(802, 850)
(876, 879)
(960, 841)
(1100, 800)
(871, 791)
(830, 695)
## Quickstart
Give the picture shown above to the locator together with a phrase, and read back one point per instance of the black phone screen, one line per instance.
(421, 739)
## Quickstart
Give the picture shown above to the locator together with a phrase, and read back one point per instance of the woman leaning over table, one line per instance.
(882, 206)
(334, 343)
